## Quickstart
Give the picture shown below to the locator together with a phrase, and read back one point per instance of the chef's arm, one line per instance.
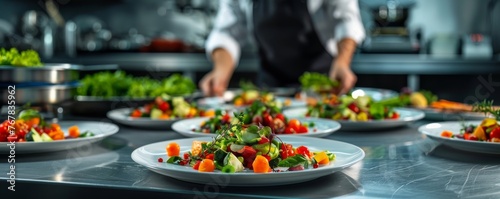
(346, 48)
(223, 61)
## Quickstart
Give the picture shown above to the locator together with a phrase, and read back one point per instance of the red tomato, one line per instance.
(303, 150)
(12, 138)
(226, 117)
(302, 129)
(268, 119)
(263, 140)
(395, 115)
(267, 157)
(257, 119)
(467, 136)
(353, 107)
(473, 137)
(136, 113)
(286, 151)
(281, 117)
(197, 165)
(495, 133)
(210, 156)
(186, 156)
(164, 106)
(290, 130)
(295, 124)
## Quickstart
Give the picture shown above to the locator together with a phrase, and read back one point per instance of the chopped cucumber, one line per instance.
(33, 136)
(156, 113)
(46, 138)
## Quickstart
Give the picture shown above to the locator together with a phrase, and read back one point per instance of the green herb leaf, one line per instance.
(292, 161)
(174, 160)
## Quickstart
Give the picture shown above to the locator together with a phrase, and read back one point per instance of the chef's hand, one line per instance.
(341, 70)
(215, 82)
(345, 76)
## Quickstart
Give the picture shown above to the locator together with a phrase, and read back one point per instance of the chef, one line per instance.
(292, 36)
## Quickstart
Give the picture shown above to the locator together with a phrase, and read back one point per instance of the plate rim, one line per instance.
(422, 130)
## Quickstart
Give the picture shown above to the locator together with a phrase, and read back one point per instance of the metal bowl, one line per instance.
(39, 95)
(50, 73)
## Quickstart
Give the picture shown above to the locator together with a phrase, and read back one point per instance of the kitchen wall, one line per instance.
(163, 18)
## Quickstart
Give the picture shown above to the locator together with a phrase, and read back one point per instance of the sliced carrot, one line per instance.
(164, 116)
(447, 134)
(74, 131)
(206, 165)
(238, 102)
(173, 149)
(261, 164)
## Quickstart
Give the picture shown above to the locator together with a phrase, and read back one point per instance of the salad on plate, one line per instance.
(259, 113)
(246, 148)
(30, 126)
(486, 131)
(167, 107)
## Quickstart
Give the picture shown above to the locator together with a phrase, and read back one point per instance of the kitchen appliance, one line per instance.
(477, 46)
(390, 33)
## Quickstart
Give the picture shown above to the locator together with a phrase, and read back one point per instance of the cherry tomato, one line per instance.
(495, 133)
(267, 157)
(186, 156)
(473, 137)
(467, 136)
(303, 150)
(302, 129)
(197, 165)
(353, 107)
(263, 140)
(278, 126)
(257, 119)
(395, 115)
(295, 124)
(164, 106)
(281, 117)
(210, 156)
(12, 138)
(290, 130)
(268, 119)
(136, 113)
(226, 118)
(286, 151)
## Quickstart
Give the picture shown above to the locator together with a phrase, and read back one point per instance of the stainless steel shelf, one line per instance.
(361, 64)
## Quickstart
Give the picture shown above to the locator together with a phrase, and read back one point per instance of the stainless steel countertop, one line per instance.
(399, 163)
(361, 64)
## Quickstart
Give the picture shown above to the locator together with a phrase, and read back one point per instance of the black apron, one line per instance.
(288, 43)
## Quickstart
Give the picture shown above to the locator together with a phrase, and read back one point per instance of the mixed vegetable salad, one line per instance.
(168, 107)
(259, 113)
(112, 84)
(251, 93)
(487, 131)
(26, 58)
(317, 82)
(240, 148)
(30, 126)
(361, 108)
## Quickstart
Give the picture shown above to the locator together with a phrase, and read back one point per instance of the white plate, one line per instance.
(221, 103)
(323, 127)
(122, 116)
(434, 130)
(100, 130)
(439, 115)
(406, 116)
(346, 156)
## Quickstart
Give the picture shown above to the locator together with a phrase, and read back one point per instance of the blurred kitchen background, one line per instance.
(438, 45)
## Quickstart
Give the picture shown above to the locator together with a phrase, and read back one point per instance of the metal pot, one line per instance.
(51, 73)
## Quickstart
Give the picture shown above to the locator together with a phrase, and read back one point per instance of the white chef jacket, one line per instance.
(333, 20)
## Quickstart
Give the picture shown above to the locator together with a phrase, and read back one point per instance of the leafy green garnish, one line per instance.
(292, 161)
(174, 160)
(246, 85)
(487, 108)
(317, 82)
